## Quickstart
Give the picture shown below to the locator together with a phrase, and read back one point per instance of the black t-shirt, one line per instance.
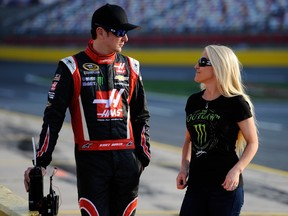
(213, 130)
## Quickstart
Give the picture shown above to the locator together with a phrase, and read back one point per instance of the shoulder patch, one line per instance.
(135, 65)
(70, 63)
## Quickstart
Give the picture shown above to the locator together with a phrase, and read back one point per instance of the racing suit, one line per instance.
(109, 118)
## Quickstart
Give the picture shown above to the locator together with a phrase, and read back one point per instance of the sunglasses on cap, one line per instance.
(118, 33)
(203, 62)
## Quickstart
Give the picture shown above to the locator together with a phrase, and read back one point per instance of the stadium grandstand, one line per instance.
(163, 22)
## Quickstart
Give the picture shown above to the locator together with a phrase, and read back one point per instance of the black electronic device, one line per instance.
(36, 184)
(50, 204)
(46, 206)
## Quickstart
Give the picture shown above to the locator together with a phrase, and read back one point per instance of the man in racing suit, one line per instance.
(104, 92)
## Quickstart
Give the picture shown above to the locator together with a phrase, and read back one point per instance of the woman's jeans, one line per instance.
(213, 201)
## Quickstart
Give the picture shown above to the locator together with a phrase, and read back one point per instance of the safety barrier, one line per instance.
(158, 56)
(13, 205)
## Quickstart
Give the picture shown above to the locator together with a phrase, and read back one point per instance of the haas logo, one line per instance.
(120, 68)
(109, 104)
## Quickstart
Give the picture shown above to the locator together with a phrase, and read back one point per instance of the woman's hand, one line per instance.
(232, 180)
(181, 180)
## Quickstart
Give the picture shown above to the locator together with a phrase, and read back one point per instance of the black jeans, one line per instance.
(214, 201)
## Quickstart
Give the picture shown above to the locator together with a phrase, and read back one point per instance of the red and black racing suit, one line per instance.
(109, 117)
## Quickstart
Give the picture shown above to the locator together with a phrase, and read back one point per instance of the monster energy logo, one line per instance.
(100, 81)
(201, 133)
(203, 115)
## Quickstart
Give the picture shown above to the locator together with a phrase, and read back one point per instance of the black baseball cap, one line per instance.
(111, 16)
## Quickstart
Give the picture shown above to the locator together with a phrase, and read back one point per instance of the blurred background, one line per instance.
(164, 23)
(35, 34)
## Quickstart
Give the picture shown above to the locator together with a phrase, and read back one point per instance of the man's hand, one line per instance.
(27, 178)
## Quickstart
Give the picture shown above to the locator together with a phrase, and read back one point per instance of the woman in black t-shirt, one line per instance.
(221, 137)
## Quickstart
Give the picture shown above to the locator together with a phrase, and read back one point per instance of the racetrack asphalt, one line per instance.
(266, 189)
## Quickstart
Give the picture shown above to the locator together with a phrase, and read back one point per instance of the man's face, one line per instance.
(110, 41)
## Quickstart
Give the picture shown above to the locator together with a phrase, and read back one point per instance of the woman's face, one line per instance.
(204, 70)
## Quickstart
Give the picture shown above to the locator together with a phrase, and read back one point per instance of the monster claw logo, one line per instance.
(109, 107)
(100, 81)
(202, 134)
(204, 123)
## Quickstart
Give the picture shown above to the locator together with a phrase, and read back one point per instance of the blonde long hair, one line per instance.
(227, 69)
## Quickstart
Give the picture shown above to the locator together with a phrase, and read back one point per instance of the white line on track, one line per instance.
(262, 124)
(270, 126)
(160, 111)
(30, 78)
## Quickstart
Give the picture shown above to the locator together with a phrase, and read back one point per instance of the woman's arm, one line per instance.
(181, 179)
(249, 131)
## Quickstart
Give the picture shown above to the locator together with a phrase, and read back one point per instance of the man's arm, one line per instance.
(59, 97)
(140, 122)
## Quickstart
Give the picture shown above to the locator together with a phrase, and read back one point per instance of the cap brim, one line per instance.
(128, 26)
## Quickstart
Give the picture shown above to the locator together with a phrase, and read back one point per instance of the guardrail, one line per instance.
(13, 205)
(158, 56)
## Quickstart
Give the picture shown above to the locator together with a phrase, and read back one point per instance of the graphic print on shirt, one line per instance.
(202, 125)
(109, 104)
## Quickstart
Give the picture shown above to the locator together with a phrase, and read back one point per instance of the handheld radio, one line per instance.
(36, 184)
